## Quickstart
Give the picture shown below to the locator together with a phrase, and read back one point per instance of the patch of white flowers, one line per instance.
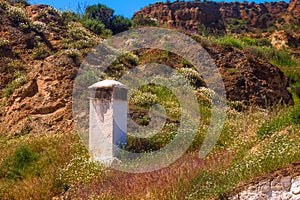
(17, 14)
(73, 53)
(79, 170)
(4, 42)
(39, 26)
(144, 99)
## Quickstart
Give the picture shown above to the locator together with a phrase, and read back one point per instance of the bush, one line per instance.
(72, 53)
(193, 76)
(94, 26)
(140, 20)
(280, 58)
(4, 43)
(18, 165)
(283, 58)
(20, 79)
(17, 15)
(69, 16)
(297, 91)
(19, 1)
(99, 12)
(271, 126)
(119, 24)
(40, 52)
(145, 99)
(230, 41)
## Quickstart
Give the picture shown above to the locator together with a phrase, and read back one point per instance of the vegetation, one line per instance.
(253, 141)
(20, 79)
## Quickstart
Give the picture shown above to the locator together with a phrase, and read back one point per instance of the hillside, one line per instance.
(42, 156)
(230, 17)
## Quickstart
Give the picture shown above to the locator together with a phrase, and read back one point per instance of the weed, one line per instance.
(40, 52)
(4, 43)
(20, 79)
(230, 41)
(17, 15)
(272, 126)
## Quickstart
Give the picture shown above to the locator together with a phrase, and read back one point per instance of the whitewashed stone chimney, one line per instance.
(108, 120)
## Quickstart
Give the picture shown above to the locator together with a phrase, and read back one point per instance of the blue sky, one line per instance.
(121, 7)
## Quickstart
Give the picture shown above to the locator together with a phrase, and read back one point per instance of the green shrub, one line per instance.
(17, 15)
(94, 26)
(283, 58)
(192, 76)
(297, 91)
(20, 79)
(39, 27)
(295, 115)
(263, 42)
(19, 1)
(140, 21)
(280, 58)
(40, 52)
(18, 165)
(99, 12)
(119, 24)
(69, 16)
(72, 53)
(230, 41)
(145, 99)
(248, 41)
(4, 43)
(271, 126)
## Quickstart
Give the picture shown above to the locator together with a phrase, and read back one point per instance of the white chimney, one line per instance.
(108, 120)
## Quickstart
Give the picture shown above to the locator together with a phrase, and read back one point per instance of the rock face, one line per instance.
(294, 8)
(283, 39)
(189, 15)
(250, 80)
(283, 185)
(42, 103)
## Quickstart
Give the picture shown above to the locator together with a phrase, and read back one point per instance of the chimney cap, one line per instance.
(108, 84)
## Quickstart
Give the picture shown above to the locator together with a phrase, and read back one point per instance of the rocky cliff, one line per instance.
(40, 56)
(189, 15)
(294, 8)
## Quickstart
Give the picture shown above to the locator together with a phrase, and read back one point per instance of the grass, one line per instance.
(238, 156)
(276, 124)
(43, 166)
(20, 79)
(258, 47)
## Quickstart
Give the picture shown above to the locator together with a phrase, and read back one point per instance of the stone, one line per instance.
(286, 182)
(265, 187)
(295, 188)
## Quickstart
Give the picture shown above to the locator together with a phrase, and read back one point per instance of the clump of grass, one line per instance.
(79, 37)
(41, 52)
(19, 164)
(276, 124)
(4, 43)
(17, 15)
(230, 41)
(145, 99)
(192, 76)
(279, 58)
(39, 166)
(20, 79)
(72, 53)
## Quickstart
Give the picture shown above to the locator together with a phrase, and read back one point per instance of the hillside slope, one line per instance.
(241, 17)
